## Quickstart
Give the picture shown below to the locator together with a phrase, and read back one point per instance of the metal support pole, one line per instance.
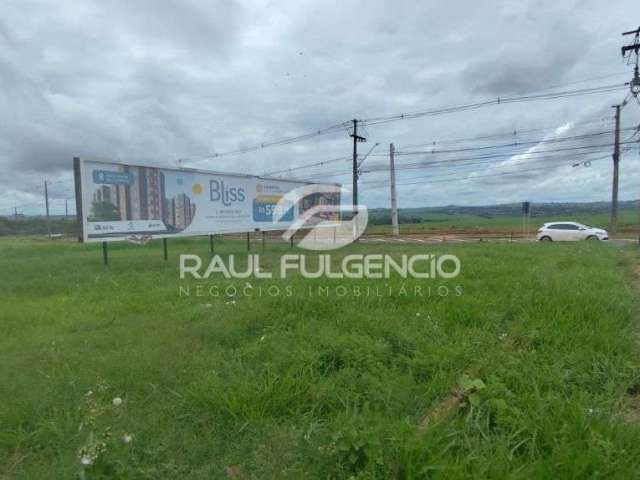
(211, 244)
(78, 189)
(164, 247)
(263, 241)
(105, 257)
(248, 242)
(291, 241)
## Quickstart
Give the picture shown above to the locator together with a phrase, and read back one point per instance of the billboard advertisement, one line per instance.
(122, 201)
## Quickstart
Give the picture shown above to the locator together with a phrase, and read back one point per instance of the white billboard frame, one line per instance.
(83, 201)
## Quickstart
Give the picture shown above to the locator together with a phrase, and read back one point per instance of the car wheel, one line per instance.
(545, 239)
(592, 237)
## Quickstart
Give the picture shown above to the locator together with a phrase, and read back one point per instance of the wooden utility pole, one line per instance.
(394, 200)
(613, 223)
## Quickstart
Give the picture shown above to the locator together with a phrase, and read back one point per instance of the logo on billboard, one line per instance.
(319, 212)
(220, 192)
(112, 178)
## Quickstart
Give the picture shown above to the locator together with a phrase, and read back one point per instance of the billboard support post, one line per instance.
(77, 180)
(105, 257)
(263, 240)
(291, 241)
(248, 242)
(164, 248)
(211, 244)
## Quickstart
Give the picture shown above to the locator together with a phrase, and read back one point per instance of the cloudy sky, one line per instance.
(172, 83)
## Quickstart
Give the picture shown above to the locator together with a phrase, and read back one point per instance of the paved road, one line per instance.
(431, 239)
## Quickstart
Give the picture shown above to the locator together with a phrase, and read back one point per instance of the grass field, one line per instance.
(628, 221)
(525, 374)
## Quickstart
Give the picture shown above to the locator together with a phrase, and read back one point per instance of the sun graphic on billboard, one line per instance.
(196, 189)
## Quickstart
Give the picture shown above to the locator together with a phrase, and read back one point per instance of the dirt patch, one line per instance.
(449, 406)
(631, 412)
(442, 411)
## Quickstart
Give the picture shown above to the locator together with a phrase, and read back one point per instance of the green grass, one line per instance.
(313, 387)
(628, 223)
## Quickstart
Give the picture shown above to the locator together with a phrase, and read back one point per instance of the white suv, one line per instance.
(570, 231)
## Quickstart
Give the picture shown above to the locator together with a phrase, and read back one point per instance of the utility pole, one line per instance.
(46, 204)
(634, 47)
(394, 200)
(613, 223)
(356, 139)
(634, 86)
(355, 163)
(66, 208)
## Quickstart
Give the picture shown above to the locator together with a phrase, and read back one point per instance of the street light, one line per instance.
(365, 157)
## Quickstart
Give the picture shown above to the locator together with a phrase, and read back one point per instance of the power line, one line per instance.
(540, 160)
(513, 133)
(600, 77)
(495, 101)
(309, 165)
(512, 144)
(491, 163)
(377, 120)
(273, 143)
(424, 164)
(499, 174)
(503, 155)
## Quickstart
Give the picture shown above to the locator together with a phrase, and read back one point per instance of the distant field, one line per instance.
(629, 223)
(523, 375)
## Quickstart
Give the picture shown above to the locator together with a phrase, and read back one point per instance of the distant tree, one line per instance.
(104, 211)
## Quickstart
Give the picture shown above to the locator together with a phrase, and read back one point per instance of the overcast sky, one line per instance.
(156, 81)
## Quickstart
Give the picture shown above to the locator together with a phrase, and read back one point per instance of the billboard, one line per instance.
(123, 201)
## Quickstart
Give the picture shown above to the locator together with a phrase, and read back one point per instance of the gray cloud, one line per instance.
(540, 55)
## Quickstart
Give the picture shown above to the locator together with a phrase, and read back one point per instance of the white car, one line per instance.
(570, 231)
